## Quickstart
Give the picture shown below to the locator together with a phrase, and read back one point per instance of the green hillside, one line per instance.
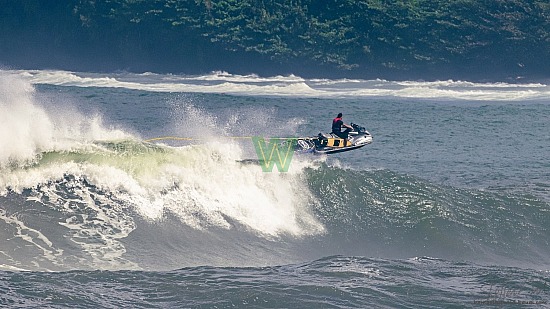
(414, 39)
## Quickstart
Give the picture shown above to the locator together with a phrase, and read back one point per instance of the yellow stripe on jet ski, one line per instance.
(337, 142)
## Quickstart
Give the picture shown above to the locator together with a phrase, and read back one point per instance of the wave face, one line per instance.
(79, 193)
(399, 215)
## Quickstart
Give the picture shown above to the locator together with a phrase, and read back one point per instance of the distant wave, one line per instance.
(223, 82)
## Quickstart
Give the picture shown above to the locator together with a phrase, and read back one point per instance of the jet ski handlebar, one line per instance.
(358, 128)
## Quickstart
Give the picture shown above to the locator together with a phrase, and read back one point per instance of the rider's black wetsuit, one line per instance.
(337, 124)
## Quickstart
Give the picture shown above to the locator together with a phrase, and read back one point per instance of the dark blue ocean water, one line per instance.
(448, 207)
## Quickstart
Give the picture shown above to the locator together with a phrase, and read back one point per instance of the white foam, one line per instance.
(203, 185)
(216, 186)
(11, 268)
(223, 82)
(34, 238)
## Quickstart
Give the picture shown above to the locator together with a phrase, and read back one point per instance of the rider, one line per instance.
(337, 125)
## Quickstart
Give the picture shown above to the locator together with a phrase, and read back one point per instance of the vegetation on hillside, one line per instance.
(415, 37)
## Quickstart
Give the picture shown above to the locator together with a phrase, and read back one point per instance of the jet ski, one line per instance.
(327, 143)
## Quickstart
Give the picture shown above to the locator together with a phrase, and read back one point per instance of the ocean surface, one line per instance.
(449, 207)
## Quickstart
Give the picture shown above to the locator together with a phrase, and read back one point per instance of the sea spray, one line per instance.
(25, 129)
(28, 127)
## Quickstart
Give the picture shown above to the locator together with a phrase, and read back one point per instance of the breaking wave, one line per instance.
(294, 86)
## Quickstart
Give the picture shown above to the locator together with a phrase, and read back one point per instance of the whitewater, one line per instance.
(450, 205)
